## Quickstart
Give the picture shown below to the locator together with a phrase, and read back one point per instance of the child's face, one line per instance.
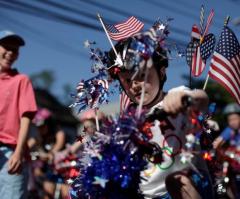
(8, 55)
(234, 121)
(89, 127)
(133, 87)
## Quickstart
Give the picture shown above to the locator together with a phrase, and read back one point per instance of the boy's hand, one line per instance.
(15, 163)
(172, 102)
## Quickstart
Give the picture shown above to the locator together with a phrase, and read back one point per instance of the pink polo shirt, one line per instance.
(16, 98)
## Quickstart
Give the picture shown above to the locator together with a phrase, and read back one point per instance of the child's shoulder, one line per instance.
(22, 76)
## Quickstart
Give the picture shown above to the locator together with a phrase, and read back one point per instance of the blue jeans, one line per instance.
(11, 186)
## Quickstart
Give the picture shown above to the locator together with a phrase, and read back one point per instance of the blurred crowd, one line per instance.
(53, 157)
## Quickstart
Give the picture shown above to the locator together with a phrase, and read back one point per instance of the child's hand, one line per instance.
(14, 163)
(60, 156)
(172, 102)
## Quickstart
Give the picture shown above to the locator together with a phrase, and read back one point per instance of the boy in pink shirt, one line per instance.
(17, 108)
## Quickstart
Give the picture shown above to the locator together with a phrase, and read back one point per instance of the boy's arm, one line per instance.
(14, 163)
(60, 141)
(59, 144)
(218, 142)
(222, 138)
(172, 102)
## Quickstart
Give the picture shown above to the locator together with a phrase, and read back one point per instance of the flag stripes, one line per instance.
(198, 63)
(124, 30)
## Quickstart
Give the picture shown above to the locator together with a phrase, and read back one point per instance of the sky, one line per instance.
(55, 31)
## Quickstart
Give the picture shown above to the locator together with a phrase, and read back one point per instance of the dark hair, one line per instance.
(52, 128)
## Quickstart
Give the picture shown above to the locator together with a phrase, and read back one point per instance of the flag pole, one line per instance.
(206, 82)
(202, 19)
(226, 20)
(109, 39)
(190, 77)
(225, 24)
(96, 119)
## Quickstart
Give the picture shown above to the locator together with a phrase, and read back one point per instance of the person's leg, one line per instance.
(180, 186)
(65, 191)
(12, 186)
(49, 189)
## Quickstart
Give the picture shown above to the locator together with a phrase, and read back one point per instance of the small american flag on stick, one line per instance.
(125, 29)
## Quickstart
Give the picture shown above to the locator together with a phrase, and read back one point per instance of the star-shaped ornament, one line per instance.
(86, 44)
(208, 131)
(118, 61)
(186, 157)
(162, 27)
(101, 181)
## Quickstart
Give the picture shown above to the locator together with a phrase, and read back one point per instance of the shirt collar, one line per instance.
(8, 74)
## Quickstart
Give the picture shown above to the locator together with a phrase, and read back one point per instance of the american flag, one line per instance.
(124, 102)
(198, 64)
(125, 29)
(225, 63)
(207, 46)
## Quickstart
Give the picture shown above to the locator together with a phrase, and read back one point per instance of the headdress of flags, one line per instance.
(225, 63)
(201, 46)
(125, 29)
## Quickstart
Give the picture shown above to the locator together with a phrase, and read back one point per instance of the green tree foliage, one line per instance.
(217, 94)
(67, 90)
(43, 79)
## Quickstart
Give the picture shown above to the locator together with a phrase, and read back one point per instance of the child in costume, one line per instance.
(144, 65)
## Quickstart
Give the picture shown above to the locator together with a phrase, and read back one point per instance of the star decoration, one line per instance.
(118, 61)
(162, 27)
(86, 44)
(186, 157)
(208, 131)
(101, 181)
(69, 181)
(80, 138)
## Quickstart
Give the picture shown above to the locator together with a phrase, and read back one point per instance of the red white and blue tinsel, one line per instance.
(95, 91)
(112, 162)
